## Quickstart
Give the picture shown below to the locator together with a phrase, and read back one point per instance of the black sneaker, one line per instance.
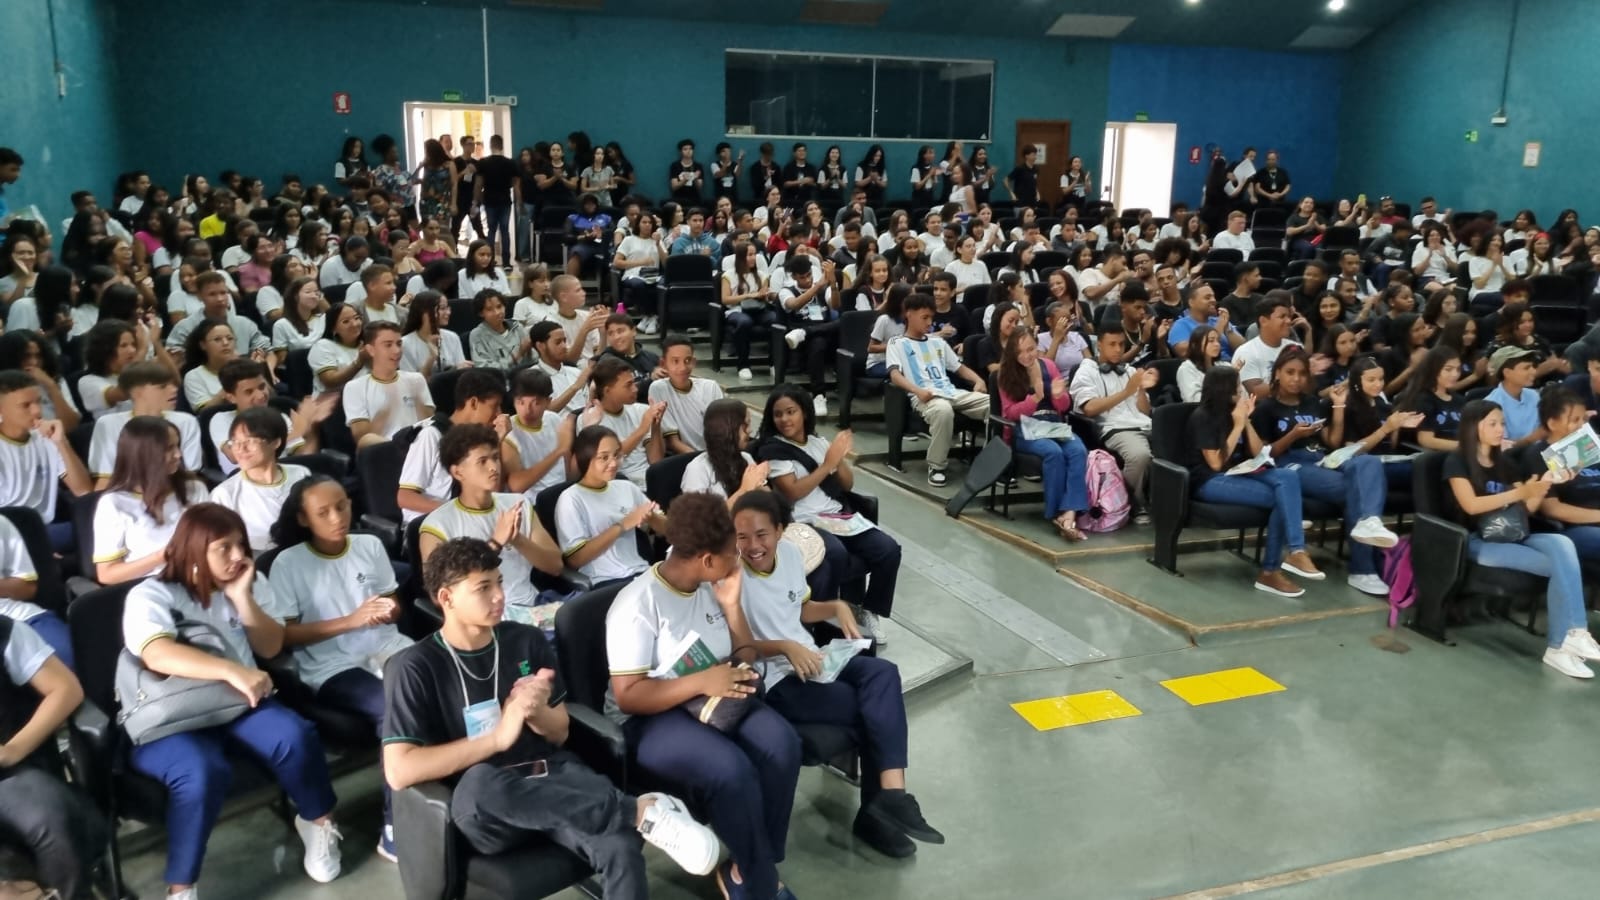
(882, 837)
(899, 809)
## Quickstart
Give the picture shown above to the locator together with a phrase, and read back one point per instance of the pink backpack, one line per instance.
(1397, 573)
(1108, 494)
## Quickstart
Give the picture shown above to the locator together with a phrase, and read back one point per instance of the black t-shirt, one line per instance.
(422, 690)
(1207, 431)
(1361, 420)
(498, 172)
(1273, 180)
(764, 177)
(1274, 418)
(1241, 310)
(794, 171)
(557, 193)
(1025, 185)
(727, 183)
(1337, 373)
(1441, 417)
(1394, 361)
(1495, 481)
(686, 192)
(956, 316)
(466, 171)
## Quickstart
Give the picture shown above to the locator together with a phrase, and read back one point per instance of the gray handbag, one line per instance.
(154, 706)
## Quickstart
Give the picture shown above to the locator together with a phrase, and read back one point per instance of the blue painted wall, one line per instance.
(267, 108)
(1413, 90)
(1234, 98)
(67, 142)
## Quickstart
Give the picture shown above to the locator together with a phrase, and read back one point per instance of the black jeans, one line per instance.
(820, 347)
(55, 825)
(742, 326)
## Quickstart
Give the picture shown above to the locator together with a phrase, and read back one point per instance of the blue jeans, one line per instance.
(744, 781)
(867, 699)
(1065, 489)
(196, 773)
(1585, 539)
(1553, 556)
(55, 633)
(1277, 490)
(878, 370)
(360, 692)
(741, 325)
(1359, 486)
(499, 225)
(525, 232)
(1398, 474)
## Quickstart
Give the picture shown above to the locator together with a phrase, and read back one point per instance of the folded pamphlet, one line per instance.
(836, 654)
(1254, 464)
(1577, 451)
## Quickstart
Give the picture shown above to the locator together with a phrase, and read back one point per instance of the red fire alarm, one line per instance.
(1194, 156)
(341, 103)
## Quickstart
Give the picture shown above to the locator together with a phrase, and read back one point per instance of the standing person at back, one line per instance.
(497, 190)
(686, 397)
(920, 364)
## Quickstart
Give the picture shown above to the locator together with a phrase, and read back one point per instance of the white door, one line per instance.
(1137, 165)
(432, 121)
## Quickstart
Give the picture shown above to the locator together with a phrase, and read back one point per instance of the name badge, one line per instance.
(481, 718)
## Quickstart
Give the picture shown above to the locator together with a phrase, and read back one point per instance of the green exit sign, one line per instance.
(453, 96)
(1141, 116)
(1472, 136)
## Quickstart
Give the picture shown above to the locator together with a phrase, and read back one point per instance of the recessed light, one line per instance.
(1194, 2)
(1335, 5)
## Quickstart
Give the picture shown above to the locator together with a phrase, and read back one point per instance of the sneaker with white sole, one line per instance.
(795, 337)
(819, 405)
(1372, 532)
(669, 826)
(187, 893)
(1580, 643)
(1368, 584)
(746, 374)
(649, 325)
(322, 849)
(937, 478)
(1299, 563)
(872, 627)
(1567, 664)
(386, 844)
(1279, 584)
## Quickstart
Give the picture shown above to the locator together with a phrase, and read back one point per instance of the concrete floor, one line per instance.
(1364, 752)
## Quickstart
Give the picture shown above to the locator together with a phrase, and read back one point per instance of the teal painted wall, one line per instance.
(67, 142)
(1412, 91)
(267, 108)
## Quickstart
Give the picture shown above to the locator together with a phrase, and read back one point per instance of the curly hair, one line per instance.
(700, 523)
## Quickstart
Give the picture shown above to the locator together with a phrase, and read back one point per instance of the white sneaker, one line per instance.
(1371, 531)
(746, 374)
(322, 849)
(650, 325)
(1580, 643)
(795, 337)
(1368, 584)
(1559, 659)
(187, 893)
(819, 405)
(669, 826)
(872, 627)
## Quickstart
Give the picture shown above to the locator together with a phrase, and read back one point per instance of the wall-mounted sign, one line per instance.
(341, 102)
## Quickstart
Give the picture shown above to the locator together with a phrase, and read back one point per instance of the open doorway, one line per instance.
(1137, 165)
(432, 121)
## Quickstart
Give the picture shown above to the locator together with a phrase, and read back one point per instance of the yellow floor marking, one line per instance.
(1216, 687)
(1075, 709)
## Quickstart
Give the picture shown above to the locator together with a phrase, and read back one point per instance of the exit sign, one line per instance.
(453, 96)
(1141, 116)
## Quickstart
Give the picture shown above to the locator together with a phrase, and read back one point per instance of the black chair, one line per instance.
(1271, 270)
(996, 260)
(689, 283)
(850, 366)
(717, 326)
(81, 437)
(1560, 325)
(1226, 255)
(336, 293)
(378, 466)
(99, 755)
(83, 527)
(1269, 254)
(301, 379)
(899, 420)
(1270, 217)
(1219, 269)
(1341, 237)
(550, 237)
(1296, 268)
(1551, 290)
(1023, 464)
(333, 465)
(1446, 579)
(1048, 259)
(1172, 508)
(664, 480)
(464, 318)
(51, 585)
(442, 388)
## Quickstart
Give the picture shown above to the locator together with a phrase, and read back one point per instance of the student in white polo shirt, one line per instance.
(470, 453)
(109, 347)
(384, 400)
(335, 593)
(35, 457)
(1254, 358)
(152, 390)
(425, 484)
(259, 489)
(245, 385)
(598, 519)
(138, 510)
(687, 397)
(613, 403)
(568, 382)
(346, 266)
(534, 452)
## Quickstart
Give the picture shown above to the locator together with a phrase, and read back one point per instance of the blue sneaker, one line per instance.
(386, 844)
(785, 894)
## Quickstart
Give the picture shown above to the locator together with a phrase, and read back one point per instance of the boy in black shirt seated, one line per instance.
(478, 705)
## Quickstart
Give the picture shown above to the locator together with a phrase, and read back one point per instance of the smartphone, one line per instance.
(1361, 199)
(537, 768)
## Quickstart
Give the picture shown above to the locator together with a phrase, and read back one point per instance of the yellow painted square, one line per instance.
(1051, 713)
(1216, 687)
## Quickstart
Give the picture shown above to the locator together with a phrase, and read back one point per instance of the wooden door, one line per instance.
(1054, 138)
